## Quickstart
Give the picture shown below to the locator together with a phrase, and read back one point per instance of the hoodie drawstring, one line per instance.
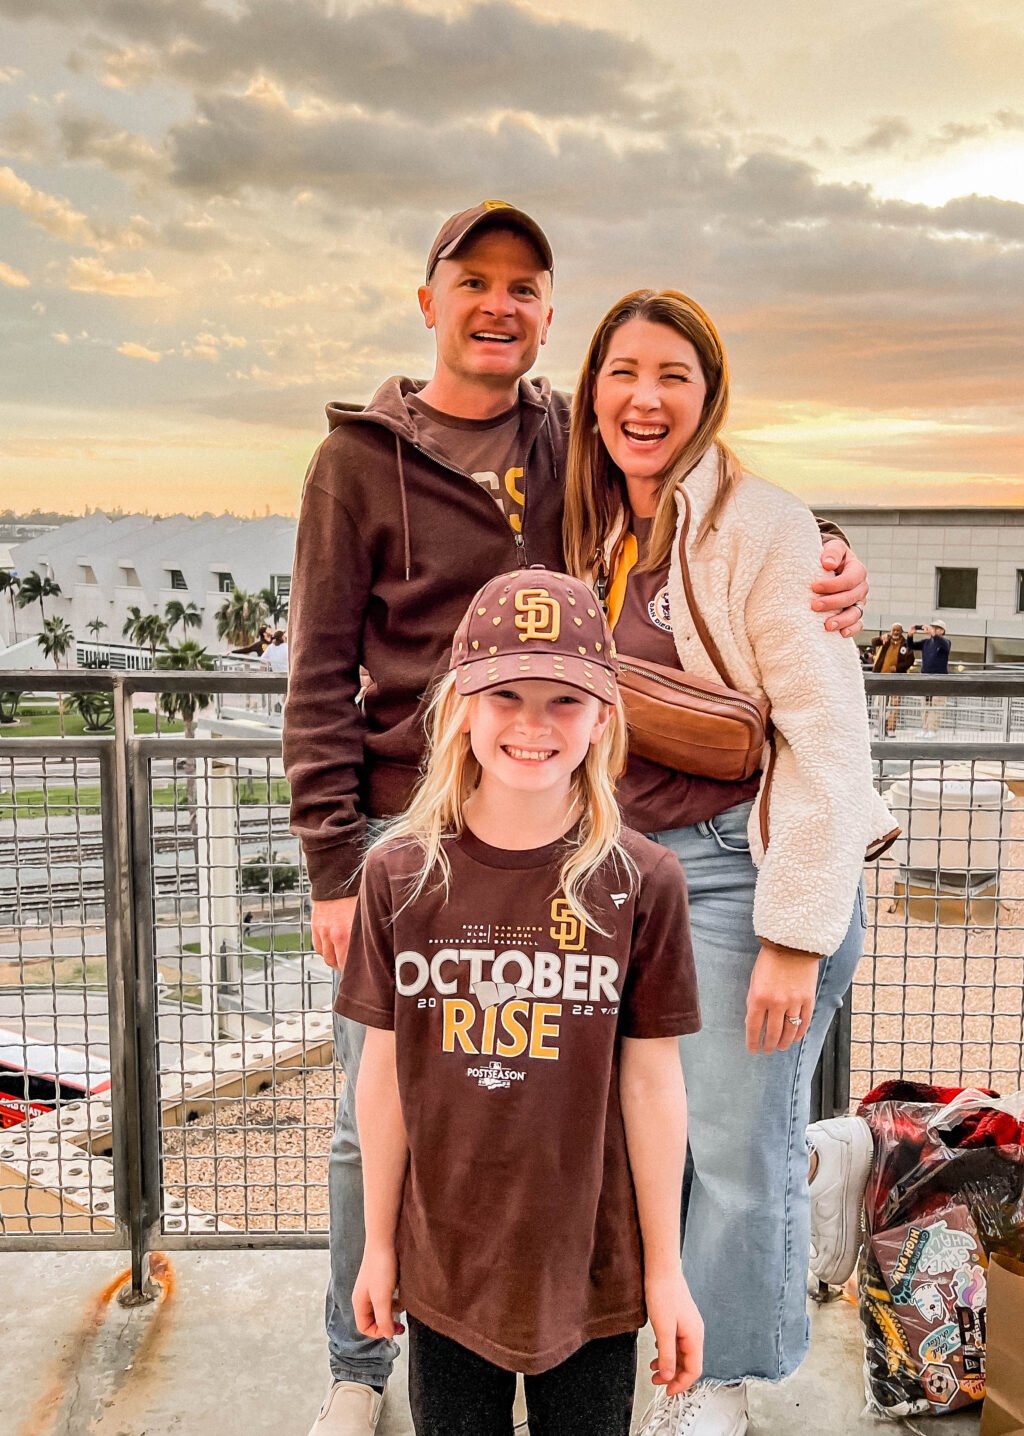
(405, 509)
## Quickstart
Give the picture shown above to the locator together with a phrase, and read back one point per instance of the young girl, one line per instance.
(523, 966)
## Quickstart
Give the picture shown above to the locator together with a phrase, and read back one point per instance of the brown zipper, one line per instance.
(686, 688)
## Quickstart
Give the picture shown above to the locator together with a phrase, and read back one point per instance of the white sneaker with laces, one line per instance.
(844, 1150)
(704, 1411)
(350, 1409)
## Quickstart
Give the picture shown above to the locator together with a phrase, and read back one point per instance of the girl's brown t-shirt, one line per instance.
(519, 1234)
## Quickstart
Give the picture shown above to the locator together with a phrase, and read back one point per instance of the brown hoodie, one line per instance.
(392, 543)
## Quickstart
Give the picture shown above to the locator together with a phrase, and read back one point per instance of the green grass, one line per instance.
(45, 723)
(59, 800)
(255, 791)
(279, 942)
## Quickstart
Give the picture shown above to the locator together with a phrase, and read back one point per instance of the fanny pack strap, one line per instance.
(703, 632)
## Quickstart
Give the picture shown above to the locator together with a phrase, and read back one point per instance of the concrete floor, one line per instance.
(236, 1346)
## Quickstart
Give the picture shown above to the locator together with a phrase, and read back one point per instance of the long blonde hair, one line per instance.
(595, 490)
(452, 772)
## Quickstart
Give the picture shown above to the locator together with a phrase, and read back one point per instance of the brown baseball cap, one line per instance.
(492, 213)
(535, 623)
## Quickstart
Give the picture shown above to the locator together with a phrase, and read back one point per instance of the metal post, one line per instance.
(123, 841)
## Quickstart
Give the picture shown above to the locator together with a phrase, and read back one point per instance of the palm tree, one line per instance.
(188, 615)
(131, 622)
(34, 588)
(56, 641)
(146, 630)
(96, 710)
(276, 605)
(9, 584)
(239, 617)
(96, 627)
(186, 657)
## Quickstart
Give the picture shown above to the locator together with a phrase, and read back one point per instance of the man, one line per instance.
(934, 652)
(934, 649)
(893, 655)
(410, 506)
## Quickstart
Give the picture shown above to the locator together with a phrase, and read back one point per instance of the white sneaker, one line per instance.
(704, 1411)
(349, 1409)
(844, 1149)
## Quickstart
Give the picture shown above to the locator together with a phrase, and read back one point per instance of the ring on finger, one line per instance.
(859, 607)
(794, 1020)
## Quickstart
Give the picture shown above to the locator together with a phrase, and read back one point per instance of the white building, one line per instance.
(963, 566)
(105, 566)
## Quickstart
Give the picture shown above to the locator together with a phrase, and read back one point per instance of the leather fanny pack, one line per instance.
(691, 724)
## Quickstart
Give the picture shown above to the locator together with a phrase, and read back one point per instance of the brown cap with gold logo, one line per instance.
(535, 623)
(492, 214)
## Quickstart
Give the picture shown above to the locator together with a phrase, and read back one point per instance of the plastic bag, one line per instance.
(946, 1190)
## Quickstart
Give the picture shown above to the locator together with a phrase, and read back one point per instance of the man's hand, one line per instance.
(678, 1332)
(843, 592)
(782, 985)
(332, 928)
(374, 1299)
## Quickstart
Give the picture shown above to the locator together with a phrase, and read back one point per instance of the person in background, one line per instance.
(934, 652)
(934, 649)
(894, 655)
(276, 656)
(259, 645)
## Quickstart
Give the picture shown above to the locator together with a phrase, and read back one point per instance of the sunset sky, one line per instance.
(214, 213)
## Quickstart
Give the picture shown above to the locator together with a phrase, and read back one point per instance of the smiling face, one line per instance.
(489, 307)
(531, 736)
(649, 397)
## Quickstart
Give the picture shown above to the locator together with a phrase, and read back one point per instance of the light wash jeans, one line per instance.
(353, 1357)
(746, 1232)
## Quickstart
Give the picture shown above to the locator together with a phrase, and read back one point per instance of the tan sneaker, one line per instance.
(349, 1409)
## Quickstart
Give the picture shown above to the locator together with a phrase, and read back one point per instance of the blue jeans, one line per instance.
(353, 1357)
(746, 1224)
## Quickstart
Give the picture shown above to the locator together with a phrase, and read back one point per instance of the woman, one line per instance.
(778, 932)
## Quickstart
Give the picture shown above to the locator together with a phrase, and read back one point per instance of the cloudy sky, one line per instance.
(213, 216)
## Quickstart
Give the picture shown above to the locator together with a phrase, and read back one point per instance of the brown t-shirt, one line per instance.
(654, 798)
(518, 1235)
(489, 450)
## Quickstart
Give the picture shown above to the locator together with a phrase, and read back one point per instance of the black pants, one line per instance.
(454, 1392)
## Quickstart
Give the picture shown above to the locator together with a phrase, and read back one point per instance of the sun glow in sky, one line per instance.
(213, 216)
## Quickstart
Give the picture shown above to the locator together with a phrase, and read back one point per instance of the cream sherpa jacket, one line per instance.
(751, 581)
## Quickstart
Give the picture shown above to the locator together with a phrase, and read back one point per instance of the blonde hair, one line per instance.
(595, 489)
(452, 772)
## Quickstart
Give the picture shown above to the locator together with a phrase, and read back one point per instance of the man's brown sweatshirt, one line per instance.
(392, 543)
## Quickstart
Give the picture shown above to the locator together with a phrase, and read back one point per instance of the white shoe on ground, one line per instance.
(705, 1411)
(844, 1150)
(349, 1409)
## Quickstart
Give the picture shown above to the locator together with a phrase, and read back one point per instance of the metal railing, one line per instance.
(155, 956)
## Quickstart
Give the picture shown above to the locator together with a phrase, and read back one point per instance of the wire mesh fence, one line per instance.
(166, 1056)
(57, 1056)
(939, 994)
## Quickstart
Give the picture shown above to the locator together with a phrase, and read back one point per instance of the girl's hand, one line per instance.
(374, 1296)
(782, 985)
(678, 1332)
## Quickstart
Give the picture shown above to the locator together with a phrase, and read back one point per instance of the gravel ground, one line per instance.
(941, 1004)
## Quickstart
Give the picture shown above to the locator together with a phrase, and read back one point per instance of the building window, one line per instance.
(131, 577)
(956, 588)
(88, 573)
(1020, 590)
(178, 579)
(225, 583)
(281, 583)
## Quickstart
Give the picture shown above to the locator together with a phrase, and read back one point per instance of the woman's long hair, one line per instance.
(595, 490)
(452, 772)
